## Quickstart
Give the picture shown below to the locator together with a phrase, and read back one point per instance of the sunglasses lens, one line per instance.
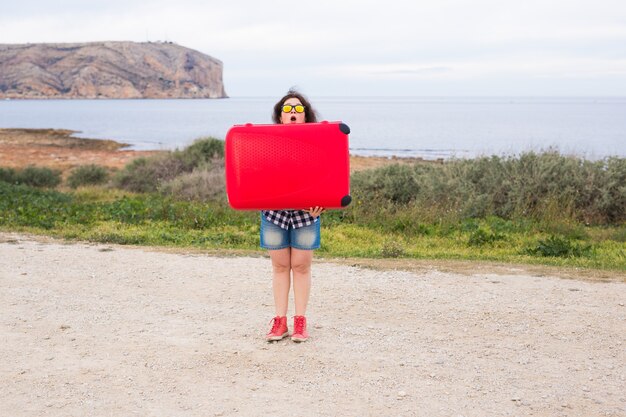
(298, 107)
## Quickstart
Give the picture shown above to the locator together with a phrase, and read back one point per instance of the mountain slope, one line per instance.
(108, 70)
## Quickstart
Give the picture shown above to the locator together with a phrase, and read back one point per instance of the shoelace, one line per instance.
(298, 325)
(276, 324)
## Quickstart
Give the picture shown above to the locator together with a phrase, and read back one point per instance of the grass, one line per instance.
(351, 241)
(489, 209)
(114, 216)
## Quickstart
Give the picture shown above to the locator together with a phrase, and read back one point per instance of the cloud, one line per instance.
(412, 71)
(468, 69)
(274, 41)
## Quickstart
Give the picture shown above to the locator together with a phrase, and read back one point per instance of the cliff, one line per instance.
(108, 70)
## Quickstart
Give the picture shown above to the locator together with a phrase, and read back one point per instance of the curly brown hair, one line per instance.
(310, 115)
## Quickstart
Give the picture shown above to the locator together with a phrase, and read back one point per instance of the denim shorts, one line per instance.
(274, 237)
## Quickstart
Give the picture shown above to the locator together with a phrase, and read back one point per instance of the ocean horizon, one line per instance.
(425, 127)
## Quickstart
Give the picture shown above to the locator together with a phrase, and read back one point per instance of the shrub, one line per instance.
(203, 150)
(131, 178)
(500, 225)
(38, 177)
(143, 175)
(8, 175)
(394, 183)
(543, 186)
(206, 183)
(611, 191)
(556, 246)
(87, 175)
(148, 174)
(480, 237)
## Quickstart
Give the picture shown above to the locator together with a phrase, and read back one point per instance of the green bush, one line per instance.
(480, 237)
(148, 174)
(556, 246)
(203, 150)
(143, 175)
(393, 183)
(34, 176)
(87, 175)
(610, 191)
(8, 175)
(206, 183)
(543, 186)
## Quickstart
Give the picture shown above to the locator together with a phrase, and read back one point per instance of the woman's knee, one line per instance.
(301, 261)
(301, 267)
(280, 267)
(281, 260)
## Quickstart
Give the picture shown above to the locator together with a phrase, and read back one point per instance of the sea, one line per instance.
(427, 127)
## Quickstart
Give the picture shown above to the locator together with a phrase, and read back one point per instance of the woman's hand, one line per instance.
(315, 211)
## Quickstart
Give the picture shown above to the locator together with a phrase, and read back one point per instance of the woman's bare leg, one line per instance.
(281, 279)
(301, 266)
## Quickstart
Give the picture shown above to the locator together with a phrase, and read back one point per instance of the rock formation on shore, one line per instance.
(108, 70)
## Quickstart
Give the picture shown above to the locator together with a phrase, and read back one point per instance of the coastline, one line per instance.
(58, 149)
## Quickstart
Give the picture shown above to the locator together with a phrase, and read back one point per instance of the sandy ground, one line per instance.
(101, 330)
(57, 149)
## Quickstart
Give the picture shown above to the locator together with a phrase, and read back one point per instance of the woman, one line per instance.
(291, 236)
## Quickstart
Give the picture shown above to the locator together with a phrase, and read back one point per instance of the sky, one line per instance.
(362, 48)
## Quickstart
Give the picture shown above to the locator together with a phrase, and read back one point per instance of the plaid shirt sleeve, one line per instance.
(286, 218)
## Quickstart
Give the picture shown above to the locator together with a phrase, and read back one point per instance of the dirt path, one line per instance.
(105, 330)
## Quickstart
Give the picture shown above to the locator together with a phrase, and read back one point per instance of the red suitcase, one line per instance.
(290, 166)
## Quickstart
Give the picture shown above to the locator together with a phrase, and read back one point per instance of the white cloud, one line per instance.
(467, 69)
(275, 41)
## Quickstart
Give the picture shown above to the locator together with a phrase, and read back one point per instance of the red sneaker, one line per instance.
(299, 329)
(279, 329)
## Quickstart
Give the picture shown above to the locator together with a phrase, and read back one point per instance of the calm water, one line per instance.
(426, 127)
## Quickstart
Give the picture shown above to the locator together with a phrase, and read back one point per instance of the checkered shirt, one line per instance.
(289, 218)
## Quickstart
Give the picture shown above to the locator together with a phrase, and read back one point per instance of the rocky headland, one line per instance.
(108, 70)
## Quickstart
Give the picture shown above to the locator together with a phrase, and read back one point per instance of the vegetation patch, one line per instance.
(536, 208)
(87, 175)
(559, 247)
(33, 176)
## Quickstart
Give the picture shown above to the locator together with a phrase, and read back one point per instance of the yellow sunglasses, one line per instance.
(298, 107)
